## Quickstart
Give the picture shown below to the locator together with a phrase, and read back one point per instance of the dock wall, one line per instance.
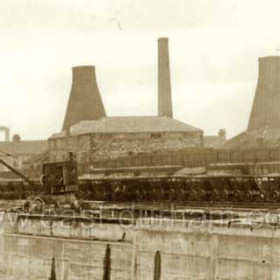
(166, 251)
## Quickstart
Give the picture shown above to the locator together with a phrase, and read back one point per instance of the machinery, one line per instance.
(60, 177)
(58, 185)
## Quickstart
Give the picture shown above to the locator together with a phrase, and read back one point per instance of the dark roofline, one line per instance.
(191, 128)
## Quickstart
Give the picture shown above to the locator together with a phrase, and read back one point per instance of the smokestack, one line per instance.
(85, 102)
(6, 131)
(164, 85)
(265, 111)
(7, 135)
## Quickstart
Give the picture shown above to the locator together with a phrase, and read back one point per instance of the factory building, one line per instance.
(115, 137)
(91, 135)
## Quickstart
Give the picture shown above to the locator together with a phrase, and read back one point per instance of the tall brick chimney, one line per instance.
(164, 85)
(265, 112)
(85, 102)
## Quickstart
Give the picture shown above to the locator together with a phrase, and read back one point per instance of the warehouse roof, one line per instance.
(129, 125)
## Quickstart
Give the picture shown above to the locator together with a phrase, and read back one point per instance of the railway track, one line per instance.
(257, 213)
(184, 206)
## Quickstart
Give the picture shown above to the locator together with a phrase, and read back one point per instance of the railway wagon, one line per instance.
(18, 189)
(171, 189)
(61, 177)
(192, 188)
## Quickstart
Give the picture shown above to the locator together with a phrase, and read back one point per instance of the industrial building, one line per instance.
(92, 135)
(17, 152)
(264, 124)
(215, 141)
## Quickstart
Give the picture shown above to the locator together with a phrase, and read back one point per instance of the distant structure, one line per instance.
(215, 141)
(264, 123)
(164, 83)
(114, 137)
(265, 114)
(92, 136)
(6, 131)
(85, 102)
(18, 151)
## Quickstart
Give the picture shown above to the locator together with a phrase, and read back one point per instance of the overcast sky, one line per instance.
(214, 48)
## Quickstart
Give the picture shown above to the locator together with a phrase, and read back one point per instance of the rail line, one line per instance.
(184, 206)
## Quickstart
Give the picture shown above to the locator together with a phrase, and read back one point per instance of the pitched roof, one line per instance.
(264, 137)
(24, 147)
(129, 125)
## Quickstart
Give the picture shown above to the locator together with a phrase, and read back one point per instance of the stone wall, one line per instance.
(29, 257)
(207, 252)
(75, 228)
(167, 250)
(92, 147)
(27, 248)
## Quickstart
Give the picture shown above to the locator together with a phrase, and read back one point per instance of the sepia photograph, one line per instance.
(140, 140)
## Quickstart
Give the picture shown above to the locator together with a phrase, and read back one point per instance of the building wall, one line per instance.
(16, 161)
(92, 147)
(17, 152)
(214, 141)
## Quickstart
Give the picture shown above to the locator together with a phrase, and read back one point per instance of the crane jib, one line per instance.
(18, 173)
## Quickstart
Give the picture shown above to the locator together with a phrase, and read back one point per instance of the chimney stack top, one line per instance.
(83, 67)
(83, 72)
